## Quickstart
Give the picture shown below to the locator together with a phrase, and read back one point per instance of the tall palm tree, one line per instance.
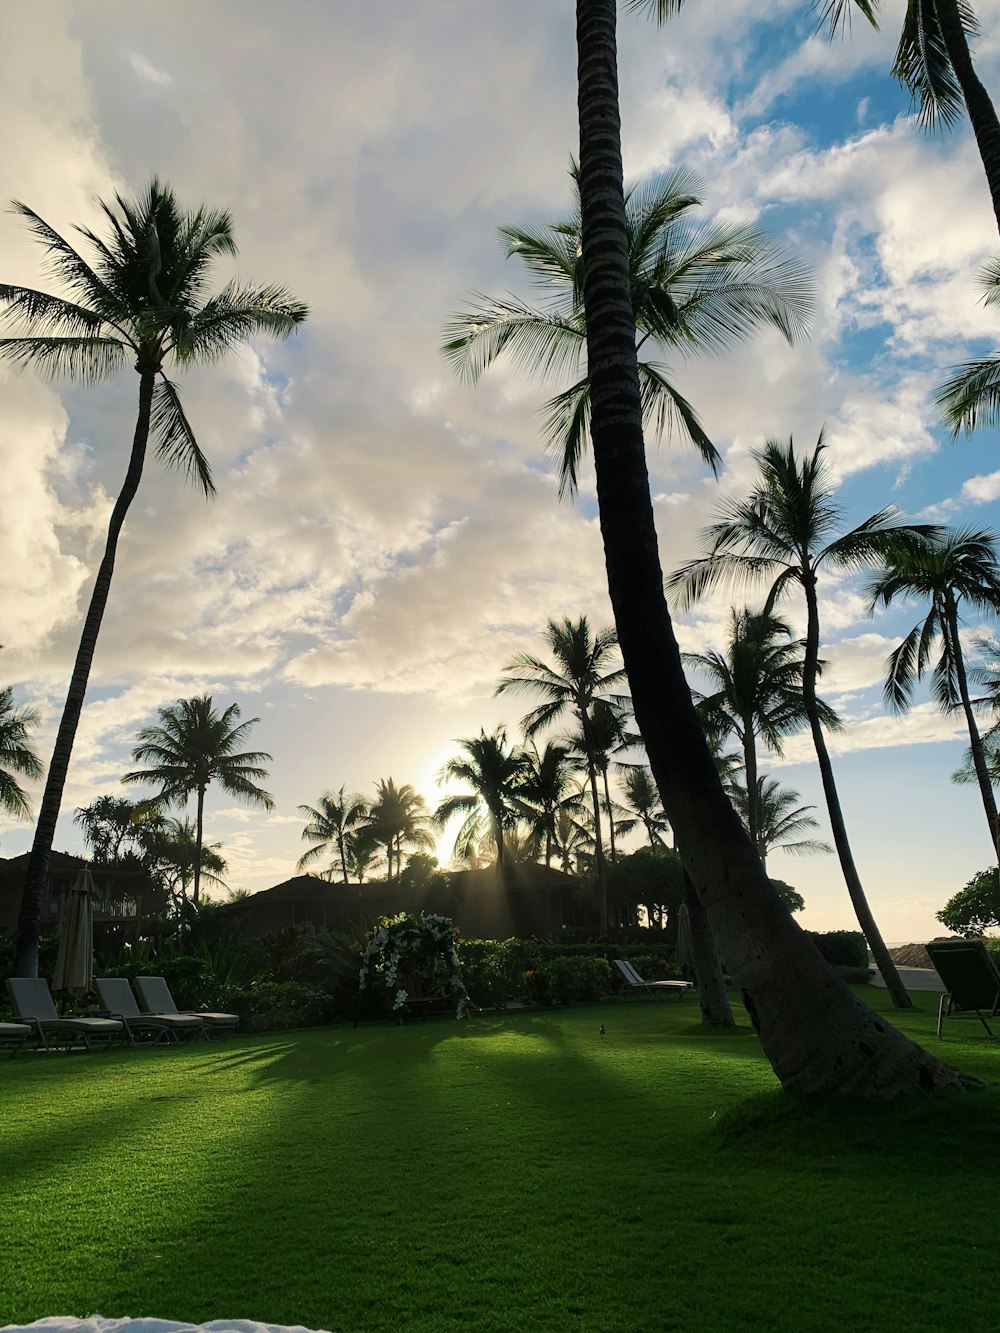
(820, 1039)
(607, 735)
(757, 694)
(786, 531)
(192, 747)
(781, 820)
(361, 848)
(547, 787)
(970, 398)
(17, 758)
(399, 817)
(329, 828)
(950, 571)
(141, 298)
(694, 289)
(573, 836)
(642, 805)
(495, 771)
(584, 669)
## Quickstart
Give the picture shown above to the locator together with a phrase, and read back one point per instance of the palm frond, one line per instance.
(663, 407)
(174, 439)
(567, 432)
(236, 314)
(539, 342)
(836, 14)
(922, 64)
(87, 359)
(970, 398)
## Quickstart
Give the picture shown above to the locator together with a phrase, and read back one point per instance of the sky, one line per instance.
(385, 538)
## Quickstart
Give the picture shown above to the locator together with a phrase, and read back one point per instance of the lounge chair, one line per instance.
(33, 1005)
(657, 989)
(14, 1035)
(119, 1002)
(154, 993)
(971, 978)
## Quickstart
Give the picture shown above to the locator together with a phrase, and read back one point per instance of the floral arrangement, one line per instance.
(398, 943)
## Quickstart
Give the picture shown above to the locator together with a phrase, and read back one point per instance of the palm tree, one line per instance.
(398, 818)
(16, 755)
(694, 289)
(642, 805)
(175, 856)
(757, 693)
(573, 836)
(361, 849)
(141, 298)
(971, 397)
(329, 828)
(495, 771)
(607, 735)
(545, 789)
(949, 571)
(585, 668)
(782, 821)
(192, 747)
(820, 1039)
(785, 531)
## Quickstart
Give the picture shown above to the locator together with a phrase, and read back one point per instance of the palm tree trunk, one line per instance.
(602, 879)
(866, 920)
(975, 740)
(199, 834)
(753, 795)
(29, 920)
(716, 1011)
(611, 818)
(819, 1037)
(982, 115)
(342, 849)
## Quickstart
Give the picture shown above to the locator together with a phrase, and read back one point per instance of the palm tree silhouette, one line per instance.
(495, 771)
(143, 298)
(584, 670)
(785, 531)
(642, 805)
(330, 825)
(16, 754)
(547, 788)
(399, 817)
(948, 571)
(781, 820)
(192, 747)
(695, 288)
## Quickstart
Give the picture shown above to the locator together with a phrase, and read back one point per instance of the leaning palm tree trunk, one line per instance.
(26, 956)
(716, 1011)
(866, 919)
(982, 115)
(819, 1037)
(980, 767)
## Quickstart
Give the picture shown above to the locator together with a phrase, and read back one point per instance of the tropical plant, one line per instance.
(16, 754)
(785, 531)
(330, 825)
(949, 571)
(607, 735)
(495, 771)
(142, 298)
(173, 854)
(192, 747)
(362, 851)
(756, 694)
(694, 289)
(399, 818)
(109, 824)
(782, 821)
(976, 907)
(584, 669)
(573, 837)
(819, 1037)
(970, 397)
(642, 805)
(548, 787)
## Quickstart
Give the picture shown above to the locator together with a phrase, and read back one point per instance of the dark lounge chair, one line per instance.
(119, 1002)
(971, 979)
(156, 998)
(33, 1005)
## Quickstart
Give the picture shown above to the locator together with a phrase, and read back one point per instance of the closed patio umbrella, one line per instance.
(683, 952)
(74, 971)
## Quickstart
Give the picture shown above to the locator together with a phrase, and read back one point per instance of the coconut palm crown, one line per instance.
(16, 754)
(695, 288)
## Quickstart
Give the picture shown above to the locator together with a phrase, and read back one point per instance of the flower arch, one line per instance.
(398, 942)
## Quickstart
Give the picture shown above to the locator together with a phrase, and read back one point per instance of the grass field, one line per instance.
(507, 1173)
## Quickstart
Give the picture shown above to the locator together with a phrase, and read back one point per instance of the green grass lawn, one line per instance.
(505, 1173)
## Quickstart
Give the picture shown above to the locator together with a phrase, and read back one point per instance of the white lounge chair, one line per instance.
(119, 1002)
(14, 1035)
(155, 996)
(33, 1005)
(657, 989)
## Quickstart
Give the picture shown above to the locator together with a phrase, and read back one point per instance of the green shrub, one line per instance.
(273, 1006)
(537, 986)
(854, 976)
(578, 980)
(494, 970)
(841, 948)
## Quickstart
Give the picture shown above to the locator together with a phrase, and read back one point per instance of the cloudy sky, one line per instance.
(384, 537)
